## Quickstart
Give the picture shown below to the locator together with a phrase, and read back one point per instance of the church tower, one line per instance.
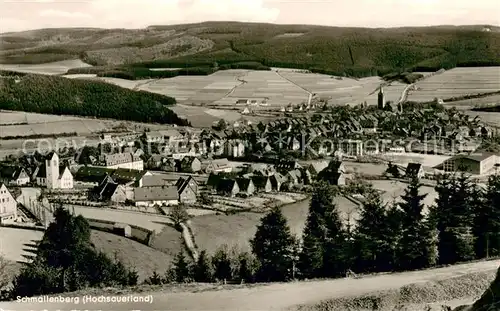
(52, 169)
(381, 98)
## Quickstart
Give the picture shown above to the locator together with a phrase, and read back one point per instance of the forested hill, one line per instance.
(62, 96)
(334, 50)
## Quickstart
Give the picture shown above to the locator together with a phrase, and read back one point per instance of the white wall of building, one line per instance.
(156, 202)
(136, 165)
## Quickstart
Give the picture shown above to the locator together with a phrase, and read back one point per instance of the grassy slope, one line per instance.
(354, 51)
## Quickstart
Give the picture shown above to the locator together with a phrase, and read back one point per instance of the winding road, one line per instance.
(267, 297)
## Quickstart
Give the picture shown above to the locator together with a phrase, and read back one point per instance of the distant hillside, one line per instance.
(62, 96)
(332, 50)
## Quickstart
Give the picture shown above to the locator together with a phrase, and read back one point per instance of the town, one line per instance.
(249, 166)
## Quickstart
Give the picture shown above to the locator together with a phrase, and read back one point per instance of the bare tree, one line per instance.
(178, 214)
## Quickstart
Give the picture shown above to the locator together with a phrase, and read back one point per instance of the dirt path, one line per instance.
(274, 296)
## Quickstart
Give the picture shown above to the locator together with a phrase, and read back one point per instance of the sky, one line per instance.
(17, 15)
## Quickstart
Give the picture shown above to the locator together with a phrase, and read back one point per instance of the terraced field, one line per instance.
(458, 82)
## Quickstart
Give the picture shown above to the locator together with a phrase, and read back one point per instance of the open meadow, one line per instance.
(16, 244)
(53, 68)
(457, 82)
(214, 231)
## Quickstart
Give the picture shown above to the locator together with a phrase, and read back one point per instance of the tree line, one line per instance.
(62, 96)
(462, 225)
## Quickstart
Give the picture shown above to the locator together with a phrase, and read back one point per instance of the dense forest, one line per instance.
(143, 70)
(62, 96)
(334, 50)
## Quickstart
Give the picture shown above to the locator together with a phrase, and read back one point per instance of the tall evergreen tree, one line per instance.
(221, 262)
(416, 238)
(181, 268)
(202, 271)
(453, 217)
(371, 237)
(335, 258)
(315, 232)
(273, 246)
(487, 220)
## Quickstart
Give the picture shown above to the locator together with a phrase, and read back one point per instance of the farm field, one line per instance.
(491, 118)
(213, 231)
(266, 84)
(471, 103)
(54, 68)
(15, 242)
(457, 82)
(197, 89)
(344, 90)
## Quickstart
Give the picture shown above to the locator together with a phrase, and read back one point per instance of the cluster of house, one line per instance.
(140, 188)
(264, 178)
(50, 174)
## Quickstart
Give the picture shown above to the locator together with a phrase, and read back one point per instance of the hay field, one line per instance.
(52, 128)
(493, 100)
(344, 90)
(266, 84)
(16, 117)
(213, 231)
(196, 89)
(457, 82)
(54, 68)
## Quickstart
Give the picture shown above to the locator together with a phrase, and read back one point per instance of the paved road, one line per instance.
(266, 297)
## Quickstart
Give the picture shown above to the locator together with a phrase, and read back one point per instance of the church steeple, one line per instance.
(381, 98)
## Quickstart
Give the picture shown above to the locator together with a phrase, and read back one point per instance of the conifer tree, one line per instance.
(221, 262)
(314, 235)
(202, 271)
(372, 242)
(273, 246)
(453, 217)
(416, 240)
(392, 235)
(487, 220)
(335, 258)
(181, 268)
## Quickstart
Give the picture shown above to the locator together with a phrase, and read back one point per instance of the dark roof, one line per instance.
(243, 183)
(260, 181)
(127, 175)
(413, 169)
(155, 193)
(183, 183)
(10, 172)
(96, 174)
(42, 171)
(92, 174)
(213, 180)
(62, 168)
(226, 185)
